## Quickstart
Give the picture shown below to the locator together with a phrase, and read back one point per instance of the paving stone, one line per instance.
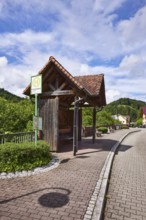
(64, 190)
(127, 186)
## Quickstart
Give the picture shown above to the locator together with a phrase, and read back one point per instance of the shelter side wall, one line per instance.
(48, 109)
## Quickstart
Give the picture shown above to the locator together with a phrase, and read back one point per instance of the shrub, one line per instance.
(125, 127)
(23, 156)
(103, 129)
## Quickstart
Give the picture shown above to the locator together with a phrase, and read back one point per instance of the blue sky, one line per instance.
(86, 37)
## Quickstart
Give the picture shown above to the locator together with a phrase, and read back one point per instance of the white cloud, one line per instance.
(79, 31)
(28, 38)
(134, 65)
(118, 82)
(3, 6)
(83, 31)
(105, 7)
(132, 32)
(14, 79)
(112, 95)
(3, 61)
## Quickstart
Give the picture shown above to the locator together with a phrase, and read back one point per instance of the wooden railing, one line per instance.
(17, 137)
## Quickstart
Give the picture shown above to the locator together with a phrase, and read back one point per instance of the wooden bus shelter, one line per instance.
(61, 101)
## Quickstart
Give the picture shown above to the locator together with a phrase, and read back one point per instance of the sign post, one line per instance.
(36, 114)
(36, 88)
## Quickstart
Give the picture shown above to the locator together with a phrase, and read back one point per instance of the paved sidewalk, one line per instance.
(126, 196)
(62, 193)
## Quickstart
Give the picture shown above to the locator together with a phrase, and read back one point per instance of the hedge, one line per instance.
(125, 127)
(23, 156)
(103, 129)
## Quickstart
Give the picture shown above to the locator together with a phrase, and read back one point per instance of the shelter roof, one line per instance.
(92, 83)
(91, 86)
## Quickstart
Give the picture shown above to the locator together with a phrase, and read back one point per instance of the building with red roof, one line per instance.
(144, 115)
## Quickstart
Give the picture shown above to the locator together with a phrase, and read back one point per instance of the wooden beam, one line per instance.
(55, 86)
(62, 86)
(57, 82)
(51, 86)
(47, 74)
(58, 93)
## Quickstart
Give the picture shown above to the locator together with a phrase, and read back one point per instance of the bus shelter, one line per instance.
(61, 101)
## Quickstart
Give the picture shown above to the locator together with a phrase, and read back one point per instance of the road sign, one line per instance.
(36, 84)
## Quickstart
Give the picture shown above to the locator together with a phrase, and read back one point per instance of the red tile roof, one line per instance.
(62, 69)
(144, 110)
(52, 59)
(92, 83)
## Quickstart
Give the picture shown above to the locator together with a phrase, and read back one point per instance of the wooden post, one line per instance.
(77, 125)
(75, 136)
(94, 124)
(55, 121)
(80, 125)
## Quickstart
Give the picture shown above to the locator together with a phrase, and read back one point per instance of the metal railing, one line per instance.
(17, 137)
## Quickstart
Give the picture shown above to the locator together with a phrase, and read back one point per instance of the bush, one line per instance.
(103, 129)
(125, 127)
(23, 156)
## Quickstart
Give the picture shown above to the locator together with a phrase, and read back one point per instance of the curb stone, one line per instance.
(97, 200)
(53, 164)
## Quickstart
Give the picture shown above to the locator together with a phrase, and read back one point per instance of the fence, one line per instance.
(17, 137)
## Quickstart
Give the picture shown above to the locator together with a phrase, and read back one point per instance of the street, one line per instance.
(126, 196)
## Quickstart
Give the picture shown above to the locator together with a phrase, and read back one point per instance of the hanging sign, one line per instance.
(36, 84)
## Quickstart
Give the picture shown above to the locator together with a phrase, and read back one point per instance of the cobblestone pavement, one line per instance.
(62, 193)
(126, 196)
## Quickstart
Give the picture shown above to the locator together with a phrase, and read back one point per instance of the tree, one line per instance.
(14, 117)
(139, 122)
(87, 116)
(3, 107)
(104, 119)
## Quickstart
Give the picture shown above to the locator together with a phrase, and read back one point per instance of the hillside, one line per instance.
(9, 96)
(123, 106)
(126, 106)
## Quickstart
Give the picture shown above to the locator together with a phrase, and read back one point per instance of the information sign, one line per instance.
(36, 84)
(37, 123)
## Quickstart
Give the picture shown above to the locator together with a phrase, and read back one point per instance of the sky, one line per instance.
(85, 36)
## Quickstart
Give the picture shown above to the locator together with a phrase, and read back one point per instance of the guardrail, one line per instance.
(17, 137)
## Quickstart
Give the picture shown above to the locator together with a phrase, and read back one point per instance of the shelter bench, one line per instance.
(65, 134)
(98, 134)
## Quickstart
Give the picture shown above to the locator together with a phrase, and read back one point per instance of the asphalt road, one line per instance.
(126, 195)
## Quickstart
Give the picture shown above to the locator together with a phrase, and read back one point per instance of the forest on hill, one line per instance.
(9, 96)
(126, 106)
(16, 113)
